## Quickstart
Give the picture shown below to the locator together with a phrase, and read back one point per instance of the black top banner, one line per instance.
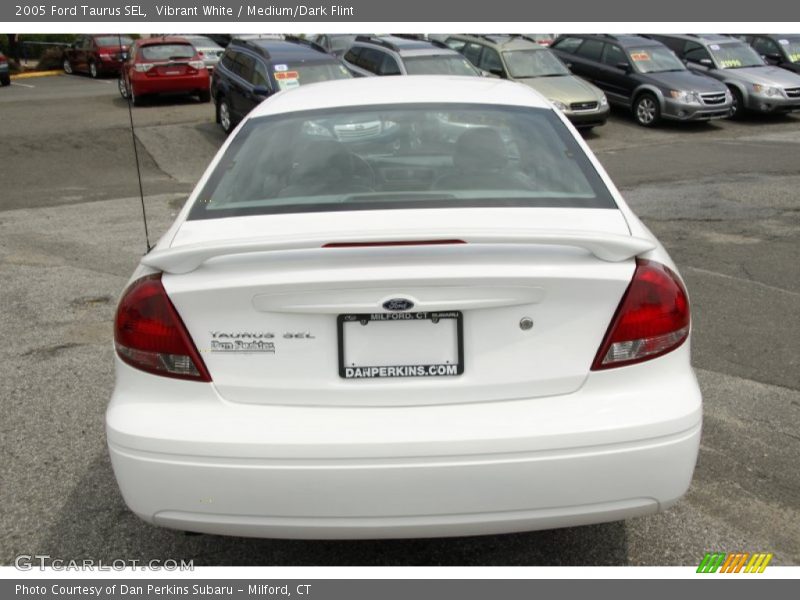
(477, 11)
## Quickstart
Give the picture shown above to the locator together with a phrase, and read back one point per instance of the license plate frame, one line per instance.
(422, 371)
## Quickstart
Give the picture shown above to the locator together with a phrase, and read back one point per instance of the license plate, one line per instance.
(173, 72)
(420, 344)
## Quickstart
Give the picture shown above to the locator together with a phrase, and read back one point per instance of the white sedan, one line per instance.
(403, 307)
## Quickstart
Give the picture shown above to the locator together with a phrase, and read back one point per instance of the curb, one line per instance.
(30, 74)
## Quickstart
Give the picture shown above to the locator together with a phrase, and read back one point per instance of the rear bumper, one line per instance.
(464, 495)
(185, 458)
(171, 85)
(109, 66)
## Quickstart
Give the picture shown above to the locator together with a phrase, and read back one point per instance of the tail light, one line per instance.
(197, 64)
(150, 335)
(651, 320)
(143, 67)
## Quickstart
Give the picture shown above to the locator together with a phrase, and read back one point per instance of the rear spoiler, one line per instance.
(605, 246)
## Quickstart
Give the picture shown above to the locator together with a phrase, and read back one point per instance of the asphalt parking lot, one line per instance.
(722, 197)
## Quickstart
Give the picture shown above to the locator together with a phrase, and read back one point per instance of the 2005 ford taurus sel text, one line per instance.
(400, 307)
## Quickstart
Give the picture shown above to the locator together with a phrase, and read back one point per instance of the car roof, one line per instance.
(281, 49)
(167, 39)
(402, 45)
(623, 40)
(705, 38)
(411, 89)
(502, 41)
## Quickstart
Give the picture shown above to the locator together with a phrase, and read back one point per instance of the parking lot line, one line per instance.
(27, 85)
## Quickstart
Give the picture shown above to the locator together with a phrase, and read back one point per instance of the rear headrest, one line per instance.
(480, 149)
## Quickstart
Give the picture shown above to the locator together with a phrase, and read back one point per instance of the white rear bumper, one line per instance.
(186, 459)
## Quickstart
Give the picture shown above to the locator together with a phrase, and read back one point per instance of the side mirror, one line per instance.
(261, 90)
(706, 62)
(773, 57)
(624, 66)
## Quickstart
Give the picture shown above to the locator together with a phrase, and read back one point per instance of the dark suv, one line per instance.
(781, 50)
(644, 76)
(254, 69)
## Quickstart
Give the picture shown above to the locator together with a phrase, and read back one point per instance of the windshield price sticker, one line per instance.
(733, 62)
(783, 42)
(281, 68)
(714, 46)
(640, 56)
(288, 79)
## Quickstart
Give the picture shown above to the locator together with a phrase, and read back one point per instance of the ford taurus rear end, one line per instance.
(456, 327)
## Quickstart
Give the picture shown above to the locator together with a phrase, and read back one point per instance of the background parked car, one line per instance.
(96, 54)
(207, 48)
(163, 65)
(522, 59)
(543, 39)
(5, 75)
(221, 39)
(644, 76)
(754, 84)
(253, 69)
(393, 55)
(334, 43)
(781, 50)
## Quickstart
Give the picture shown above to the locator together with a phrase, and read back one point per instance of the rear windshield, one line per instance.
(401, 156)
(448, 64)
(113, 40)
(734, 56)
(167, 51)
(288, 76)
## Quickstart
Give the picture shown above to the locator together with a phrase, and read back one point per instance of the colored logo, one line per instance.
(398, 304)
(735, 562)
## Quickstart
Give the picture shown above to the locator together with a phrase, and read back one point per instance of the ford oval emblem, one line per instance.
(398, 304)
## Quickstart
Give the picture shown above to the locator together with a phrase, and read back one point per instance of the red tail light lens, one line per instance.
(651, 320)
(150, 335)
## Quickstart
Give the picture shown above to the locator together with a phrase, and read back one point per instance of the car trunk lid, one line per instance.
(281, 318)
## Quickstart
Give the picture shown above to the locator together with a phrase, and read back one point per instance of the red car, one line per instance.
(96, 54)
(163, 65)
(5, 73)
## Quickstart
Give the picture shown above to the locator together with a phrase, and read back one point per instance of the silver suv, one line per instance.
(394, 55)
(754, 84)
